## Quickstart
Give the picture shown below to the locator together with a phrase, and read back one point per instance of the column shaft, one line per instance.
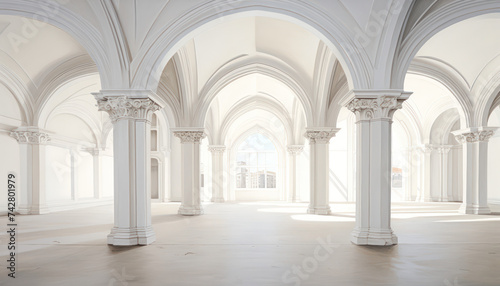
(190, 170)
(293, 151)
(217, 172)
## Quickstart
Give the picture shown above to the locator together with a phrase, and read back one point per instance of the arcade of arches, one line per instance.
(122, 104)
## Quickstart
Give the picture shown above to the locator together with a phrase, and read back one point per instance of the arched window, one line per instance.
(256, 163)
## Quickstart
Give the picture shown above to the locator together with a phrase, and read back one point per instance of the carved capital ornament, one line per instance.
(476, 136)
(320, 135)
(188, 136)
(217, 149)
(295, 149)
(30, 137)
(375, 108)
(127, 108)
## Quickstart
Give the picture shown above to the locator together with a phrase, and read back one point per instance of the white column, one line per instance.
(190, 169)
(217, 172)
(374, 111)
(426, 173)
(293, 151)
(131, 117)
(97, 166)
(32, 176)
(319, 139)
(443, 151)
(475, 155)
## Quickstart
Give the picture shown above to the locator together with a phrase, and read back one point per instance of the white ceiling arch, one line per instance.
(210, 93)
(161, 46)
(486, 92)
(434, 22)
(238, 135)
(257, 102)
(460, 93)
(62, 95)
(441, 128)
(77, 27)
(20, 91)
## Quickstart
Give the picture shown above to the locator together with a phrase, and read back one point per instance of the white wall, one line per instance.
(58, 175)
(84, 175)
(9, 156)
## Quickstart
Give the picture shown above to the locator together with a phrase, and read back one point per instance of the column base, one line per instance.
(217, 200)
(131, 236)
(319, 210)
(197, 210)
(474, 209)
(32, 210)
(383, 237)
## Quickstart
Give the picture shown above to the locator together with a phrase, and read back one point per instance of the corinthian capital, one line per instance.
(320, 135)
(127, 108)
(31, 137)
(189, 135)
(375, 104)
(218, 149)
(471, 135)
(295, 149)
(382, 107)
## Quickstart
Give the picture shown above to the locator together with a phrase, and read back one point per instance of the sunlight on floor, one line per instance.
(322, 218)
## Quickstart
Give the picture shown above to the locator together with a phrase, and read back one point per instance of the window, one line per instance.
(256, 163)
